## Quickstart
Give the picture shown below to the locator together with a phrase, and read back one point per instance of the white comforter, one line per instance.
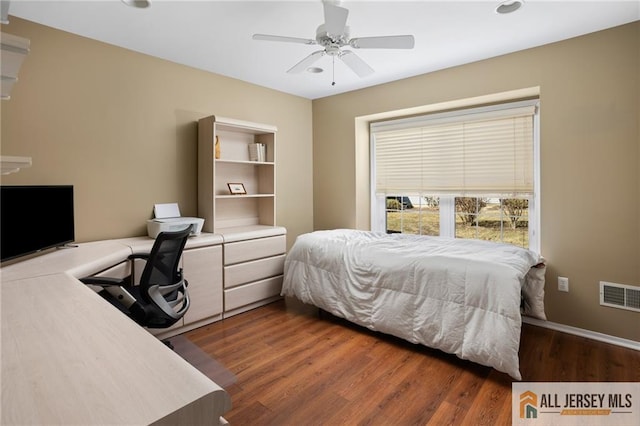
(460, 296)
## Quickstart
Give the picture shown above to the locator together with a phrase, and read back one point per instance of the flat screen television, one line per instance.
(34, 218)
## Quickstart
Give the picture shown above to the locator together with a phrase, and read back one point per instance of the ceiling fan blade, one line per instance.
(306, 62)
(267, 37)
(354, 62)
(383, 42)
(335, 19)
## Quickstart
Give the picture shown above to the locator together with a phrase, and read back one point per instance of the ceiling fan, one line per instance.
(333, 35)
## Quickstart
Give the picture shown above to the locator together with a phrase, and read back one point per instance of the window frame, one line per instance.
(447, 201)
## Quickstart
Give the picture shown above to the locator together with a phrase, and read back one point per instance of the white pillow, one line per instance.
(533, 291)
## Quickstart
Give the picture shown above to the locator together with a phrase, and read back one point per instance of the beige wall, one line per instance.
(122, 128)
(590, 156)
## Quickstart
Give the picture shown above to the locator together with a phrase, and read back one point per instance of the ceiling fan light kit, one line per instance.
(138, 4)
(509, 6)
(333, 35)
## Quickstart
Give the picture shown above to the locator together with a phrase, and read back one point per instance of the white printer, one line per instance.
(167, 218)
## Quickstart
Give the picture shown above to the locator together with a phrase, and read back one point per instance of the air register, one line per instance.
(167, 218)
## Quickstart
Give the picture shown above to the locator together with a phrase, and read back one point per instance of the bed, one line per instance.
(464, 297)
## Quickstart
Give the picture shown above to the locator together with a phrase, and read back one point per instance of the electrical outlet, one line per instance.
(563, 284)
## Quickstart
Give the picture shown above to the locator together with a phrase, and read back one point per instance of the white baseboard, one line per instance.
(593, 335)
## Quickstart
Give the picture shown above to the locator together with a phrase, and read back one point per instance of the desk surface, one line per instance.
(90, 258)
(68, 357)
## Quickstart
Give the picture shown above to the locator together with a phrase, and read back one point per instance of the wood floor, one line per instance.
(295, 367)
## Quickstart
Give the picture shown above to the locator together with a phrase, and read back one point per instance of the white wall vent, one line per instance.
(620, 296)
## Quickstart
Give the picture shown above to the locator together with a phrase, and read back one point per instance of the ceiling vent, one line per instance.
(620, 296)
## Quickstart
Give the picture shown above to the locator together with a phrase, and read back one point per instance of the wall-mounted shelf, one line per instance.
(14, 50)
(14, 164)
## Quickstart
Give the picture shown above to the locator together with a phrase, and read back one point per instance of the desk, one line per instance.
(68, 357)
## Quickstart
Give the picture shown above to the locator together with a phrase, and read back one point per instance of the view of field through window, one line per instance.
(492, 219)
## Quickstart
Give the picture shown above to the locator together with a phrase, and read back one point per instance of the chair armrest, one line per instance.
(144, 256)
(102, 281)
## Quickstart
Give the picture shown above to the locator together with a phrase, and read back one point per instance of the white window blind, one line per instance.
(485, 150)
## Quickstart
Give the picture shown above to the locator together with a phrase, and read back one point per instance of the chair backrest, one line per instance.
(163, 265)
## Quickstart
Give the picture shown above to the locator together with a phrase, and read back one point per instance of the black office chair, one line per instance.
(161, 297)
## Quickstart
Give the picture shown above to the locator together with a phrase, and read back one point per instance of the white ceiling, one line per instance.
(216, 35)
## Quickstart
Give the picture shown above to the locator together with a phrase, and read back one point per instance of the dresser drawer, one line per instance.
(241, 273)
(244, 295)
(243, 251)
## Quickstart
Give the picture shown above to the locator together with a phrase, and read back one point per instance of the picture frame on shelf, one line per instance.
(236, 189)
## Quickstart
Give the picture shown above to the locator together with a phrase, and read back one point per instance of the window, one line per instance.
(470, 173)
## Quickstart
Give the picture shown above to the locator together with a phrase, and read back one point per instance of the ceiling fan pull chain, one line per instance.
(333, 70)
